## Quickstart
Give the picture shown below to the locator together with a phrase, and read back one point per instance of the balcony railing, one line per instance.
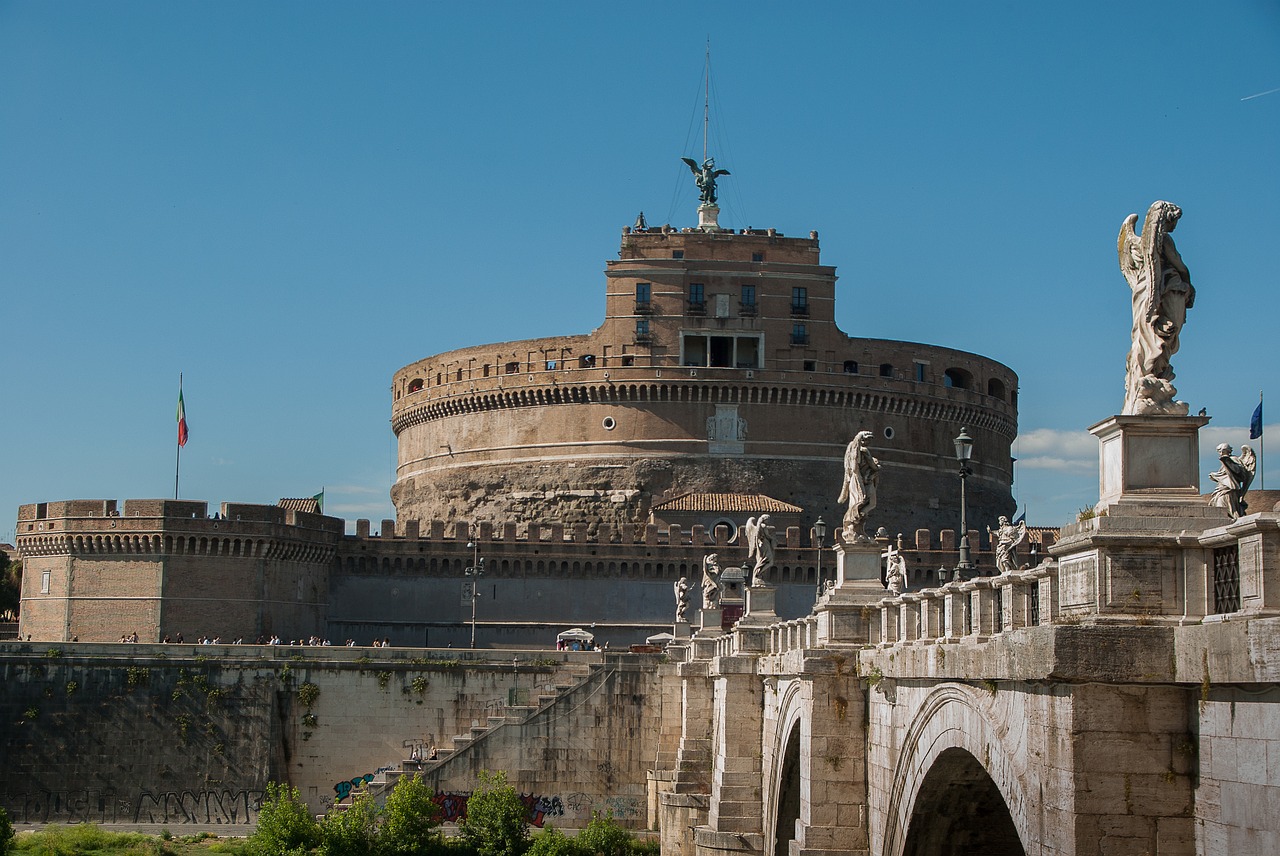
(800, 309)
(644, 307)
(696, 307)
(748, 310)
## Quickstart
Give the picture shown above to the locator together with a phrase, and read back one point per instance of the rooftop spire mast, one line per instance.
(706, 102)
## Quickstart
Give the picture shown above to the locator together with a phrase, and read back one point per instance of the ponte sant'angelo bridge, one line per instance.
(1119, 698)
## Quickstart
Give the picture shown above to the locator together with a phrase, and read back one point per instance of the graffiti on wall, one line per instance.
(344, 788)
(453, 806)
(209, 806)
(203, 806)
(584, 805)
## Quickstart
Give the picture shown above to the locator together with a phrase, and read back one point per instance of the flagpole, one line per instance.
(177, 466)
(1262, 449)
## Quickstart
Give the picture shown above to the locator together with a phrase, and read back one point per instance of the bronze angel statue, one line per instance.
(706, 176)
(1162, 294)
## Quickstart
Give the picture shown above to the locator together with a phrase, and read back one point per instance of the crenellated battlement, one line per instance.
(98, 527)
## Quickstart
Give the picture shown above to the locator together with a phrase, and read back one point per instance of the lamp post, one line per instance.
(964, 452)
(476, 571)
(820, 532)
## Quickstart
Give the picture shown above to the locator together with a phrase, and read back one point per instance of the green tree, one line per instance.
(497, 821)
(285, 824)
(411, 820)
(604, 837)
(10, 584)
(6, 832)
(353, 831)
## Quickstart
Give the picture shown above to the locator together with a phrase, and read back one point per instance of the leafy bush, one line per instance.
(553, 842)
(353, 832)
(604, 837)
(411, 821)
(497, 821)
(6, 832)
(284, 822)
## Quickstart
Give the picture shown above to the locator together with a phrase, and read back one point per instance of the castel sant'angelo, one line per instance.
(590, 471)
(719, 369)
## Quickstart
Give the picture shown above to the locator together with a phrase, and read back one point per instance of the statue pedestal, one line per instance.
(846, 611)
(1148, 459)
(710, 620)
(708, 216)
(760, 600)
(681, 630)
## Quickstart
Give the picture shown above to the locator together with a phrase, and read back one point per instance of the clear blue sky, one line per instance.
(289, 201)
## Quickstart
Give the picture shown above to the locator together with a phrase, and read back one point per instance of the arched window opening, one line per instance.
(957, 379)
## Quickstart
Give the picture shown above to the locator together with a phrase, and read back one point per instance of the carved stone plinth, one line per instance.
(858, 572)
(708, 216)
(680, 630)
(1146, 459)
(760, 600)
(710, 620)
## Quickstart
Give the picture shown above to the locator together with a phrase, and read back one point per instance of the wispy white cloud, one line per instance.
(1052, 449)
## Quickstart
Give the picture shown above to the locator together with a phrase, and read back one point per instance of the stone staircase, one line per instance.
(574, 678)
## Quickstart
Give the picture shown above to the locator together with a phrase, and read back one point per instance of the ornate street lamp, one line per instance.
(820, 532)
(964, 452)
(476, 571)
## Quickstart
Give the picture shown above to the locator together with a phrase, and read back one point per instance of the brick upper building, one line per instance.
(719, 368)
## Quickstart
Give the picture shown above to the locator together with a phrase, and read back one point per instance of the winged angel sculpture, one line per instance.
(1162, 294)
(706, 176)
(761, 544)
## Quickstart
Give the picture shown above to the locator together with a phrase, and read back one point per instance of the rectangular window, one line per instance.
(800, 301)
(799, 333)
(677, 254)
(642, 328)
(757, 257)
(44, 583)
(698, 350)
(920, 372)
(513, 367)
(697, 294)
(642, 292)
(748, 295)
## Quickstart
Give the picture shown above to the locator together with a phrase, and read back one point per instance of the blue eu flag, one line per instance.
(1255, 424)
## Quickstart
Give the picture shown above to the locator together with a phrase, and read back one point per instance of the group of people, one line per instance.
(417, 756)
(579, 645)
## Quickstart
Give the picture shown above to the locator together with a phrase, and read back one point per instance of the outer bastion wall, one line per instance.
(181, 734)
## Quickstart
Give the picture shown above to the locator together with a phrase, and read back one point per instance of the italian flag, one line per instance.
(182, 421)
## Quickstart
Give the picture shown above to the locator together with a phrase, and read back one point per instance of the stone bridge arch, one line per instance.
(961, 776)
(782, 806)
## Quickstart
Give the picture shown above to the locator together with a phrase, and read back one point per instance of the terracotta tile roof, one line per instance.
(755, 503)
(307, 504)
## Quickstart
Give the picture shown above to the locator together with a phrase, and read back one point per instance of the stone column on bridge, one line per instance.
(683, 805)
(833, 795)
(733, 818)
